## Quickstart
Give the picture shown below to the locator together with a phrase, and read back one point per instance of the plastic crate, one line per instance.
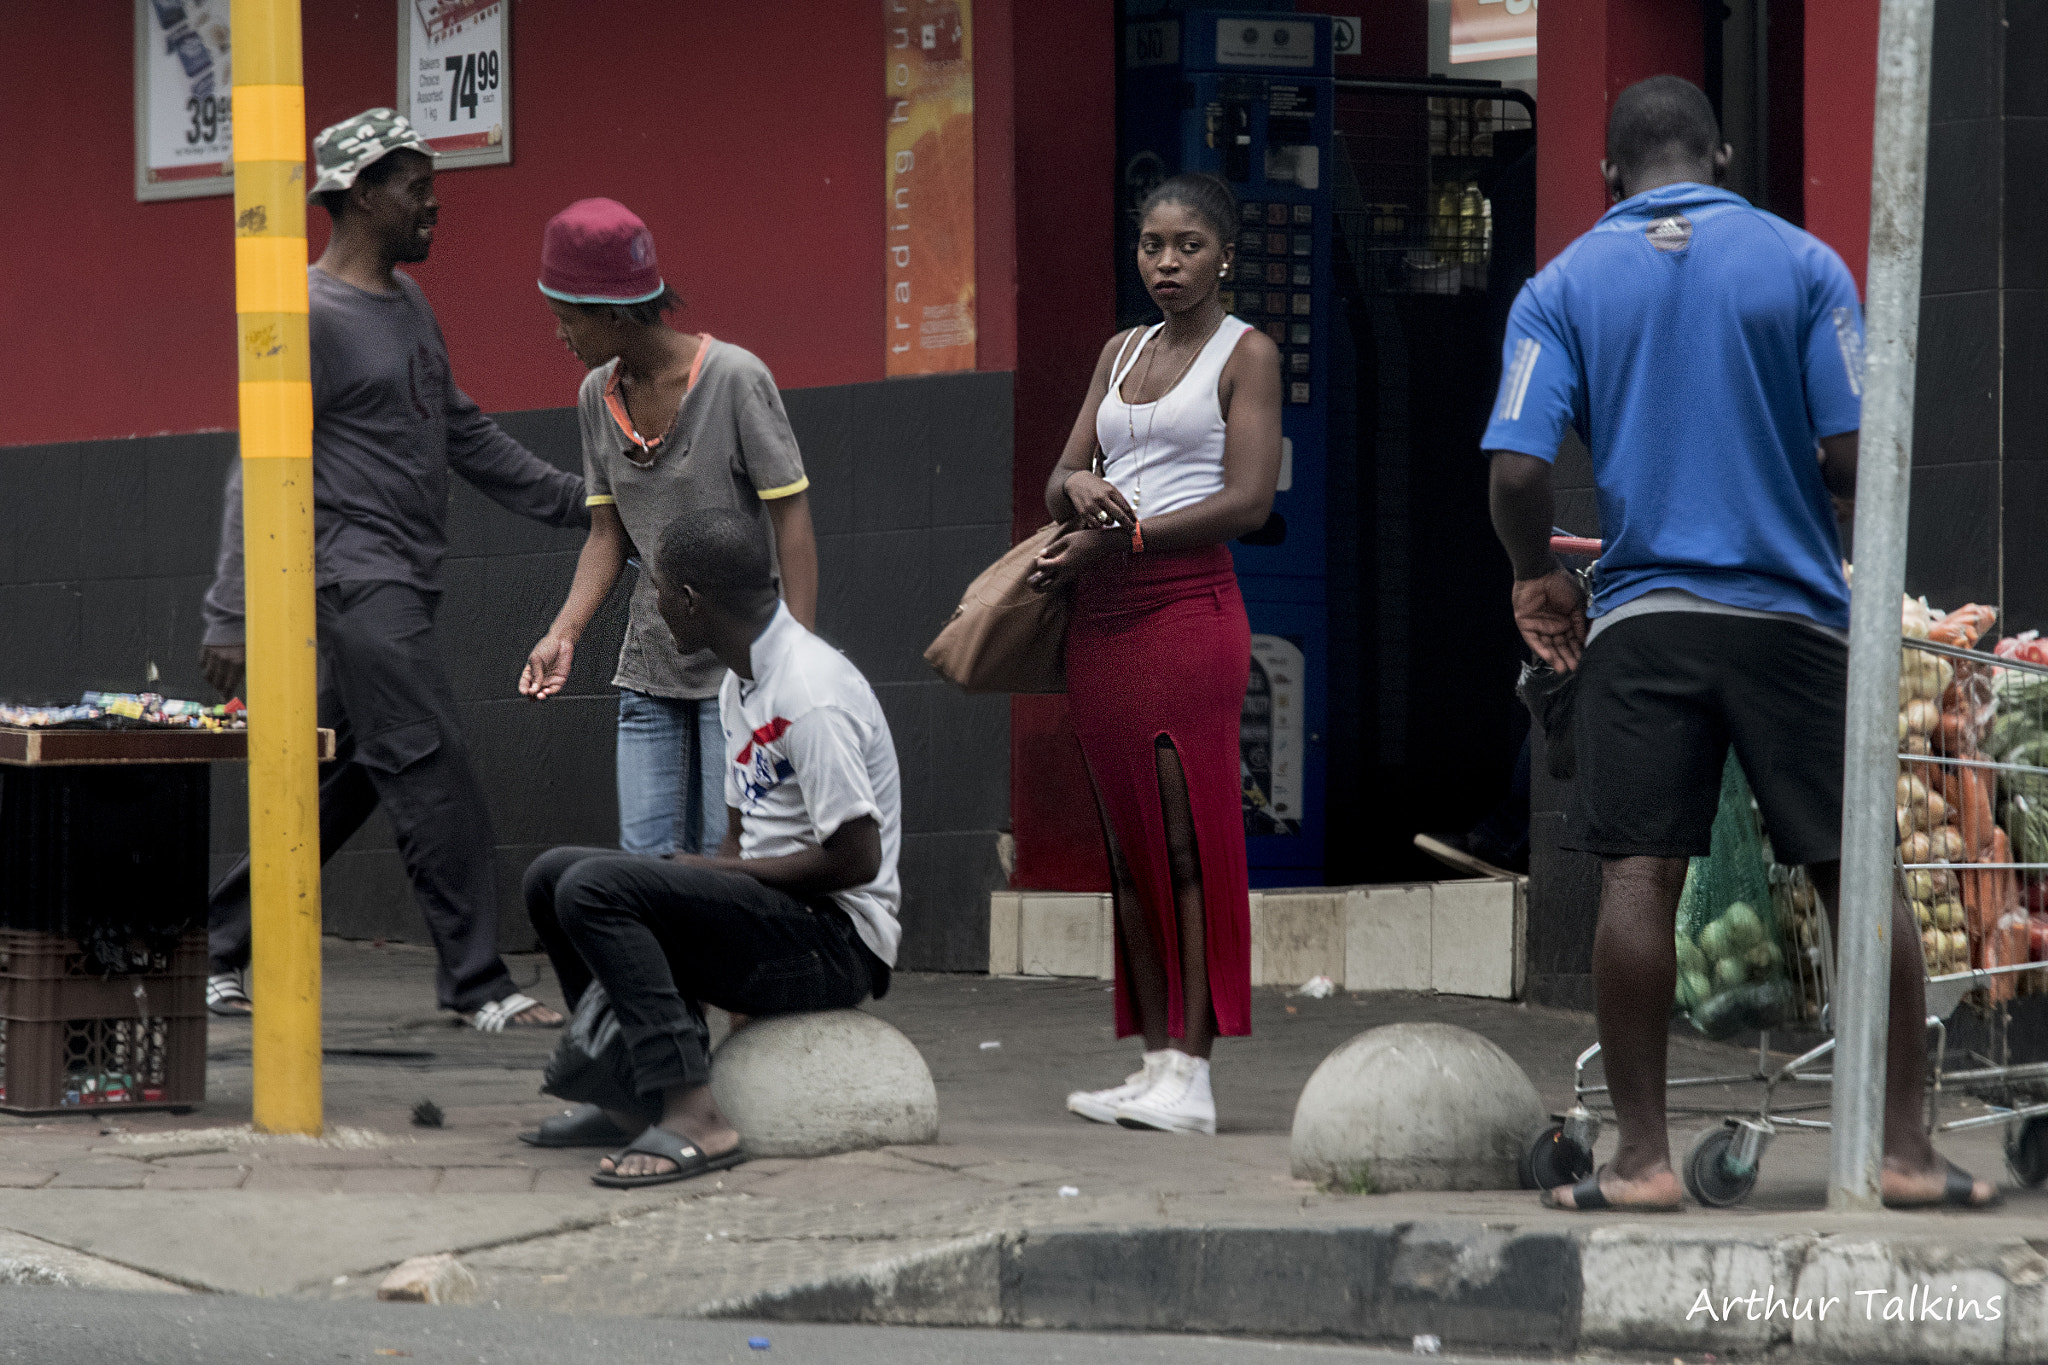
(71, 1039)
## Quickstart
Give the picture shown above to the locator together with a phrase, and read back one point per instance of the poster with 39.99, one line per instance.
(455, 78)
(184, 135)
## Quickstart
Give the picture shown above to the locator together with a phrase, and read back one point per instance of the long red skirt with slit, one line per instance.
(1159, 646)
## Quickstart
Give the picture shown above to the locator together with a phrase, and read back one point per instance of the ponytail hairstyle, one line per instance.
(1209, 196)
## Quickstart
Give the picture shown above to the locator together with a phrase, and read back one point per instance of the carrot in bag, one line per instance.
(2006, 947)
(1979, 910)
(1973, 814)
(1989, 898)
(1964, 626)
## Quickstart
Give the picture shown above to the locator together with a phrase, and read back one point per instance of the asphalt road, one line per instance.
(52, 1326)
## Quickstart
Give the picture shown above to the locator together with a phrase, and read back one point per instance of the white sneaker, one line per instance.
(1100, 1105)
(1179, 1100)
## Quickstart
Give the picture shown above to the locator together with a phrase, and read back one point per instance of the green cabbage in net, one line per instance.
(1727, 930)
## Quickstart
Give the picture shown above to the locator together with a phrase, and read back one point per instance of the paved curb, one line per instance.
(1631, 1288)
(26, 1260)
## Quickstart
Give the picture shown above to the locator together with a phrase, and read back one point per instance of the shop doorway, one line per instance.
(1435, 234)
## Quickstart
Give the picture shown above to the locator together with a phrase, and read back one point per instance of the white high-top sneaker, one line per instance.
(1100, 1105)
(1179, 1100)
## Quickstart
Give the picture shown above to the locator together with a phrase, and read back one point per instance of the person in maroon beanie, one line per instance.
(671, 421)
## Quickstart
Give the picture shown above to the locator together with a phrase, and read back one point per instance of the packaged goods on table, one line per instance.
(152, 709)
(128, 708)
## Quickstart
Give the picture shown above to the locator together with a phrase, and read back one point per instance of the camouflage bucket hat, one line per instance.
(342, 151)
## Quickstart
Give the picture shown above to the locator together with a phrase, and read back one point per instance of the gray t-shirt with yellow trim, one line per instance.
(731, 447)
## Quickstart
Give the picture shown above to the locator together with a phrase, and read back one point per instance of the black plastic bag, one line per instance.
(1552, 698)
(592, 1064)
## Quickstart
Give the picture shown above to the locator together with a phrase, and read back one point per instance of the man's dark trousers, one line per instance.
(665, 936)
(385, 694)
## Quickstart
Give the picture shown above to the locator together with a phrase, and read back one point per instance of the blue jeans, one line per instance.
(671, 760)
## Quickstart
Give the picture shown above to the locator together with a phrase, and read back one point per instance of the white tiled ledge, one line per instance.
(1455, 938)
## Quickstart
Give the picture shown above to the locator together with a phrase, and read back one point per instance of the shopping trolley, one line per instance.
(1996, 754)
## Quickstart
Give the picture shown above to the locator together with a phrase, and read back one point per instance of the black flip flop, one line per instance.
(1957, 1185)
(1587, 1197)
(583, 1126)
(689, 1159)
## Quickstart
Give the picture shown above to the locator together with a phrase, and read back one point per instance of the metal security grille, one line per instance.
(1415, 163)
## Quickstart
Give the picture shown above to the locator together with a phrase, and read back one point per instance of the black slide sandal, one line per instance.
(1587, 1198)
(689, 1159)
(583, 1126)
(1957, 1185)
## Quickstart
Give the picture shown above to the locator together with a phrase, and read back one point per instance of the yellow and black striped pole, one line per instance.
(277, 540)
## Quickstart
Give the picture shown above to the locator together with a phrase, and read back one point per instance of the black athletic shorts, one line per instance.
(1661, 697)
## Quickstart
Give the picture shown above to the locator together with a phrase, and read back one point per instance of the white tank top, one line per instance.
(1168, 455)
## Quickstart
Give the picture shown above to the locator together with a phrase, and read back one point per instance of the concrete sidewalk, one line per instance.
(1020, 1215)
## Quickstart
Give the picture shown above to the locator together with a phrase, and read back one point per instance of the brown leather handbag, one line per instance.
(1004, 637)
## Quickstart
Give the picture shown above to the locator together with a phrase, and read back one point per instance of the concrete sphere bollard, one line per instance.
(815, 1084)
(1414, 1107)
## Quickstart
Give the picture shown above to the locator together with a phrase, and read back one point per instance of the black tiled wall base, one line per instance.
(103, 566)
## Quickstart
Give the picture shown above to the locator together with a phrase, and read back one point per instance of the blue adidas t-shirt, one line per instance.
(1701, 348)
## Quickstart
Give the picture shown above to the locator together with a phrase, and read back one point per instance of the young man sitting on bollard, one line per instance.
(796, 912)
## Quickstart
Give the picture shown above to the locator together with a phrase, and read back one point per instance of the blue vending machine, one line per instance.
(1248, 97)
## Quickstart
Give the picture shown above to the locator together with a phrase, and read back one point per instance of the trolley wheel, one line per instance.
(1550, 1159)
(1707, 1177)
(2026, 1151)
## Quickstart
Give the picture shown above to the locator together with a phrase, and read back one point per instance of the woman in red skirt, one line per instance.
(1187, 416)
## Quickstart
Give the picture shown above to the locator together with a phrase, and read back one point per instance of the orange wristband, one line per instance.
(1137, 537)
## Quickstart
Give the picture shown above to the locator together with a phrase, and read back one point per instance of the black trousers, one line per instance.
(398, 743)
(663, 937)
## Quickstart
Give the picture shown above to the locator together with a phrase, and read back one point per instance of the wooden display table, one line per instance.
(69, 748)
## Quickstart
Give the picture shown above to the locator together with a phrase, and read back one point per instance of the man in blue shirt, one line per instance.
(1710, 356)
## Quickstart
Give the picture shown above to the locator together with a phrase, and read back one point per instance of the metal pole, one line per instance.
(1898, 185)
(276, 400)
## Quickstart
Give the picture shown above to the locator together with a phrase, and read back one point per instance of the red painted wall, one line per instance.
(1066, 169)
(1841, 98)
(1591, 52)
(749, 137)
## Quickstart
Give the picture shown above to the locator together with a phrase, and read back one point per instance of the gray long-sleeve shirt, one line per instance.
(388, 426)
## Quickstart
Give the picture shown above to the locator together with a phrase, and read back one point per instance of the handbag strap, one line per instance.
(1098, 464)
(1117, 371)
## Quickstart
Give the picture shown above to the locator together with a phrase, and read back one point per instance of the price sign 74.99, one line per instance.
(467, 75)
(455, 78)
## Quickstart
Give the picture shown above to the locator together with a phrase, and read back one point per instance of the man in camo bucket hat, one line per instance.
(389, 426)
(341, 152)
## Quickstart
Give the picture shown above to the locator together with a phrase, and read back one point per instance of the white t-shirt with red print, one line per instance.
(806, 750)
